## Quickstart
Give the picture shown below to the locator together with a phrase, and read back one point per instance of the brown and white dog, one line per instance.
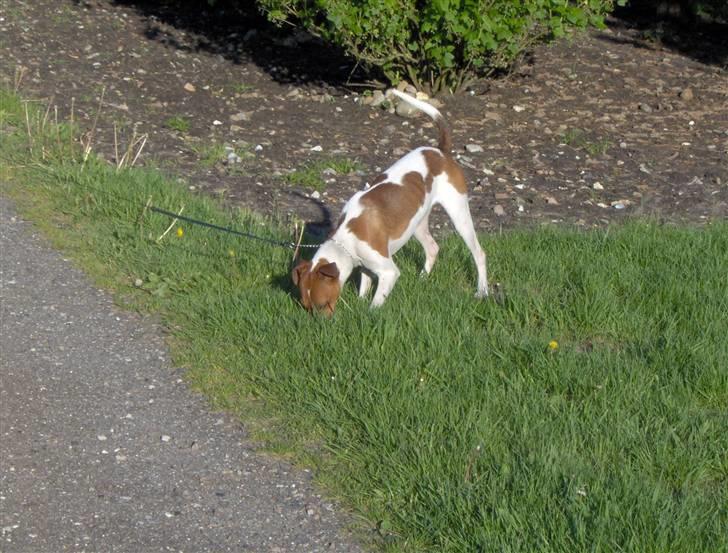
(378, 221)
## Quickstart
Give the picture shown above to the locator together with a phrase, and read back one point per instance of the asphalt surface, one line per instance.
(103, 448)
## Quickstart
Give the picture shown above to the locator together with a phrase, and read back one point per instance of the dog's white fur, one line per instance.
(348, 251)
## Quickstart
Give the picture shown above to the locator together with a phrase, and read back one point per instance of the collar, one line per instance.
(344, 249)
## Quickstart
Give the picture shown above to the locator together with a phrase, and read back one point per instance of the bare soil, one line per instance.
(606, 125)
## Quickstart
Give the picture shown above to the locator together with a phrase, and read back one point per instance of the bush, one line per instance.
(437, 44)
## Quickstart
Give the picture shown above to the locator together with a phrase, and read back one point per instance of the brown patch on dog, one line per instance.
(455, 175)
(381, 177)
(319, 286)
(437, 163)
(388, 210)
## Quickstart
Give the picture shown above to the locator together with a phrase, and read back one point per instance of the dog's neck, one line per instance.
(334, 252)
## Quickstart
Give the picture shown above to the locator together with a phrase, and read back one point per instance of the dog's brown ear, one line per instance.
(299, 270)
(329, 270)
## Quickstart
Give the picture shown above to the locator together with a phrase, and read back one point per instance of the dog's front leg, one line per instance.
(387, 276)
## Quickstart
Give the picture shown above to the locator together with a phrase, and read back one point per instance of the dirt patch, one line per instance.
(610, 124)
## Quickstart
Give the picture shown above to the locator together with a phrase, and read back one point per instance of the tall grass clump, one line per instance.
(584, 411)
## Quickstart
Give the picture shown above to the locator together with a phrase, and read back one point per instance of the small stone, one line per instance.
(317, 148)
(377, 98)
(499, 211)
(259, 148)
(645, 107)
(217, 122)
(551, 200)
(165, 438)
(241, 116)
(101, 438)
(315, 194)
(473, 148)
(687, 94)
(623, 145)
(138, 282)
(597, 186)
(421, 96)
(518, 109)
(404, 109)
(189, 87)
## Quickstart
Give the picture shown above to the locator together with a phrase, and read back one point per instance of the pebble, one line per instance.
(645, 107)
(499, 211)
(377, 98)
(473, 148)
(189, 87)
(241, 116)
(404, 109)
(597, 186)
(317, 148)
(687, 94)
(518, 109)
(165, 438)
(315, 194)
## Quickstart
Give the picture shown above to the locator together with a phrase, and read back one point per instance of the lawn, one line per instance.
(586, 410)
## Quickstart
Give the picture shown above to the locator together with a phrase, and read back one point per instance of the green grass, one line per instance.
(213, 153)
(311, 175)
(447, 422)
(241, 88)
(178, 123)
(577, 138)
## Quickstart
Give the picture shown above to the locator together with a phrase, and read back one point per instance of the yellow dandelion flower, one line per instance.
(553, 345)
(180, 232)
(231, 253)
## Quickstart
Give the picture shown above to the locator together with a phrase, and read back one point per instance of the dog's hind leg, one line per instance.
(456, 206)
(422, 233)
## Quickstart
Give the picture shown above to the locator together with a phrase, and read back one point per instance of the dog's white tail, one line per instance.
(445, 138)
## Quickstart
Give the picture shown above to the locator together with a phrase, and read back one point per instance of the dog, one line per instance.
(377, 221)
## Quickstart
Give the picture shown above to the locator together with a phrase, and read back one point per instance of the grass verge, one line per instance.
(450, 423)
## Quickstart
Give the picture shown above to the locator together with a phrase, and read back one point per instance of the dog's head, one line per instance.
(319, 285)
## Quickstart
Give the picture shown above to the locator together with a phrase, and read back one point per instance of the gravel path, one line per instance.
(102, 446)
